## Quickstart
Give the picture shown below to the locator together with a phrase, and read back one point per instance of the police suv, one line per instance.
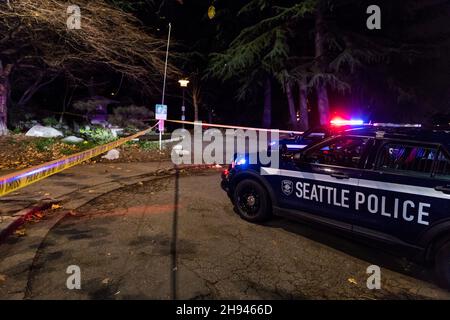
(389, 183)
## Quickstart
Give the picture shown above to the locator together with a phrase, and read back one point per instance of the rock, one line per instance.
(102, 123)
(113, 154)
(116, 132)
(43, 132)
(72, 139)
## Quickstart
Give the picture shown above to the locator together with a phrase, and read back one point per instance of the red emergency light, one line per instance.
(337, 121)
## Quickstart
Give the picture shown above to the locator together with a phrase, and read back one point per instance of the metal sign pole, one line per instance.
(161, 126)
(160, 137)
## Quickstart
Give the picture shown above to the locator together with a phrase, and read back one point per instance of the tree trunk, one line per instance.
(195, 103)
(267, 113)
(303, 105)
(4, 95)
(322, 94)
(291, 105)
(65, 104)
(323, 105)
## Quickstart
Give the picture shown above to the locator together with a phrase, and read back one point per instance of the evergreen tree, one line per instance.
(259, 54)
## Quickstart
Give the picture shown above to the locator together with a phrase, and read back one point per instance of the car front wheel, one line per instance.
(252, 201)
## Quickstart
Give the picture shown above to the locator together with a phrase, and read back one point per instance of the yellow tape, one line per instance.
(232, 127)
(21, 179)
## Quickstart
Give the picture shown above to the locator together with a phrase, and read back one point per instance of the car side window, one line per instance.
(442, 166)
(343, 152)
(398, 157)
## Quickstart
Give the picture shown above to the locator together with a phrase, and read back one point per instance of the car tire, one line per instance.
(442, 264)
(252, 201)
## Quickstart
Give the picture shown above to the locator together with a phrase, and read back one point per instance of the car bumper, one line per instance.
(225, 183)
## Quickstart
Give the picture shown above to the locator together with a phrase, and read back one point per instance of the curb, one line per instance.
(22, 216)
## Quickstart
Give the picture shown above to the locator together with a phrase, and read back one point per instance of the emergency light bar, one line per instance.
(342, 122)
(397, 125)
(338, 121)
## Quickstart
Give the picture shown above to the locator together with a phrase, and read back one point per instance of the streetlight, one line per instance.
(183, 84)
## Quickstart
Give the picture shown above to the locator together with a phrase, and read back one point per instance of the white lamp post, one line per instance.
(183, 84)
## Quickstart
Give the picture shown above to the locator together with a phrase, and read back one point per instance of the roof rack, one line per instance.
(397, 125)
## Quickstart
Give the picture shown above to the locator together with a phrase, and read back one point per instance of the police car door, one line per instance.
(323, 180)
(401, 197)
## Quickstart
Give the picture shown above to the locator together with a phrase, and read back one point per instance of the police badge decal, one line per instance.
(287, 186)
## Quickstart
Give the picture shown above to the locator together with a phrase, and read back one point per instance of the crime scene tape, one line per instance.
(232, 127)
(23, 178)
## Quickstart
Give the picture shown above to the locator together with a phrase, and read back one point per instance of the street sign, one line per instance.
(161, 112)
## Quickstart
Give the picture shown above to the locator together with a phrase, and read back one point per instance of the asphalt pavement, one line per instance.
(178, 237)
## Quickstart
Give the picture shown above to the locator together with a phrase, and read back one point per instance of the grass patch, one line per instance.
(44, 144)
(87, 145)
(148, 145)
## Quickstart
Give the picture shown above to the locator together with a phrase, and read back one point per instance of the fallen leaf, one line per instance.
(20, 232)
(55, 206)
(38, 215)
(352, 280)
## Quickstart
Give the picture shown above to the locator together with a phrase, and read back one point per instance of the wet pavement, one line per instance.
(179, 238)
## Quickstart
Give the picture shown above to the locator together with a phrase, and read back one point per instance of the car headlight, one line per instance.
(239, 161)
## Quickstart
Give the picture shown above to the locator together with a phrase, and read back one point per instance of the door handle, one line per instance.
(444, 189)
(340, 176)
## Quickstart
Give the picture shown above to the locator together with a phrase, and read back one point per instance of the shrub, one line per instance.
(86, 106)
(130, 116)
(98, 135)
(149, 145)
(50, 122)
(26, 125)
(44, 144)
